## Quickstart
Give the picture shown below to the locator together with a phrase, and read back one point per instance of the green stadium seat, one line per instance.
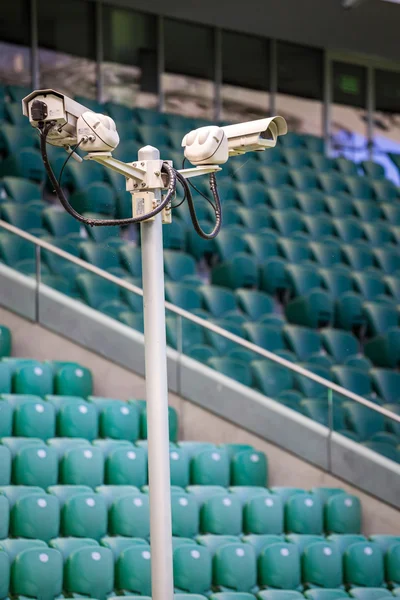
(355, 380)
(339, 344)
(152, 134)
(129, 516)
(83, 514)
(288, 223)
(218, 300)
(133, 571)
(26, 163)
(268, 337)
(343, 514)
(392, 564)
(179, 266)
(263, 515)
(308, 387)
(378, 234)
(393, 287)
(346, 166)
(13, 138)
(193, 448)
(38, 573)
(89, 570)
(62, 445)
(349, 229)
(35, 516)
(192, 569)
(276, 175)
(21, 190)
(35, 464)
(363, 565)
(73, 381)
(260, 541)
(82, 466)
(118, 544)
(304, 514)
(131, 259)
(96, 197)
(126, 466)
(183, 295)
(273, 277)
(388, 260)
(13, 547)
(192, 333)
(238, 271)
(384, 350)
(32, 416)
(247, 172)
(285, 492)
(221, 515)
(5, 380)
(95, 290)
(373, 169)
(76, 418)
(174, 236)
(319, 227)
(235, 369)
(296, 157)
(249, 468)
(6, 419)
(59, 223)
(221, 344)
(304, 179)
(339, 205)
(385, 190)
(318, 410)
(203, 492)
(303, 341)
(255, 218)
(362, 420)
(201, 352)
(4, 524)
(4, 574)
(234, 568)
(279, 567)
(362, 593)
(34, 379)
(379, 318)
(311, 202)
(119, 112)
(387, 450)
(102, 257)
(282, 198)
(119, 420)
(271, 379)
(210, 467)
(185, 515)
(322, 566)
(294, 250)
(360, 187)
(358, 257)
(386, 383)
(332, 183)
(68, 545)
(254, 304)
(368, 211)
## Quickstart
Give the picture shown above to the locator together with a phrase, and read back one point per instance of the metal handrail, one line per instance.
(202, 322)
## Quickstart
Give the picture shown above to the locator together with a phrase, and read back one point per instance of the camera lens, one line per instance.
(38, 110)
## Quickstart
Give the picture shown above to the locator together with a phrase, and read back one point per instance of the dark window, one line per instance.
(349, 84)
(130, 38)
(14, 22)
(189, 49)
(300, 71)
(387, 91)
(245, 60)
(67, 26)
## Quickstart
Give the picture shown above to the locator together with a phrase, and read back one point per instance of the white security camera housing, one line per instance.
(254, 135)
(206, 146)
(49, 105)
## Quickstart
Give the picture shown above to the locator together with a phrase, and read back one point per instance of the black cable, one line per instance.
(218, 209)
(192, 185)
(66, 161)
(44, 129)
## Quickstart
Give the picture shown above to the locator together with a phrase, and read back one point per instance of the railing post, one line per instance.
(37, 289)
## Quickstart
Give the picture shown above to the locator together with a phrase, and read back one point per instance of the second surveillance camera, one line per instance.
(254, 135)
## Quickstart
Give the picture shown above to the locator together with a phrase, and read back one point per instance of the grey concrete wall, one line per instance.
(196, 423)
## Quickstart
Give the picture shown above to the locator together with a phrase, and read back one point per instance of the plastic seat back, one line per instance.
(363, 565)
(234, 567)
(192, 569)
(322, 565)
(37, 573)
(279, 567)
(90, 571)
(133, 571)
(343, 514)
(84, 515)
(221, 515)
(130, 517)
(263, 515)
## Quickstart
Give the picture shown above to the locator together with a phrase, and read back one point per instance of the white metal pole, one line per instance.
(157, 401)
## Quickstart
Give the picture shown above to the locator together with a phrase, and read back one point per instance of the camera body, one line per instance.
(212, 145)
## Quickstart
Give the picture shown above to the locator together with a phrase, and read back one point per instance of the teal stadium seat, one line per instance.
(363, 565)
(234, 568)
(133, 571)
(279, 567)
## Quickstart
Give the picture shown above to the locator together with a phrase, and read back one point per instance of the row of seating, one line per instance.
(76, 510)
(90, 568)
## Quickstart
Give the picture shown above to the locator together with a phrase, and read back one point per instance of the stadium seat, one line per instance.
(247, 492)
(263, 515)
(385, 541)
(296, 251)
(173, 424)
(213, 542)
(133, 571)
(386, 383)
(235, 369)
(339, 344)
(352, 379)
(362, 420)
(119, 420)
(35, 516)
(95, 290)
(343, 541)
(368, 211)
(349, 229)
(303, 341)
(118, 544)
(363, 565)
(38, 573)
(260, 541)
(239, 271)
(221, 515)
(358, 257)
(89, 570)
(35, 465)
(126, 466)
(249, 468)
(6, 418)
(271, 379)
(111, 493)
(373, 169)
(318, 410)
(392, 564)
(82, 466)
(303, 514)
(302, 541)
(192, 569)
(254, 304)
(322, 566)
(279, 567)
(83, 514)
(26, 163)
(359, 187)
(308, 387)
(339, 205)
(234, 568)
(185, 515)
(343, 514)
(129, 516)
(73, 381)
(362, 593)
(36, 379)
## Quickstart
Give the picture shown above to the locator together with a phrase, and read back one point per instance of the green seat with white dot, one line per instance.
(264, 514)
(37, 573)
(72, 380)
(185, 515)
(110, 493)
(363, 565)
(249, 467)
(192, 569)
(221, 515)
(126, 466)
(84, 515)
(74, 417)
(322, 565)
(5, 463)
(35, 516)
(304, 514)
(35, 465)
(235, 568)
(343, 514)
(90, 571)
(179, 467)
(279, 567)
(119, 543)
(133, 571)
(210, 467)
(82, 466)
(130, 516)
(33, 379)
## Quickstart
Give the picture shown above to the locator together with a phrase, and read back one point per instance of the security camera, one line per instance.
(73, 122)
(213, 145)
(254, 135)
